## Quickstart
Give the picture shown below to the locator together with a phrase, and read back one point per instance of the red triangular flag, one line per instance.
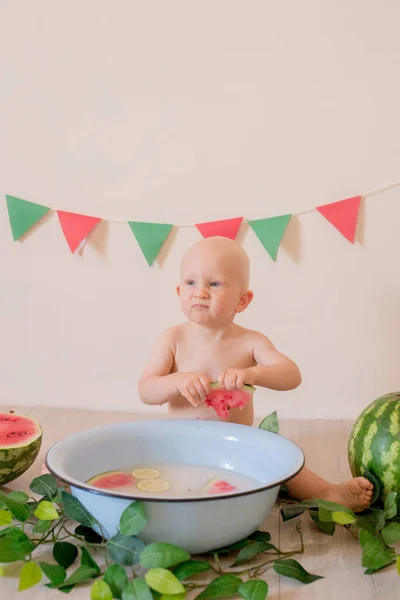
(76, 228)
(343, 215)
(226, 228)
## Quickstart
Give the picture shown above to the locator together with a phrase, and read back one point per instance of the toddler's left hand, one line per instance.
(233, 379)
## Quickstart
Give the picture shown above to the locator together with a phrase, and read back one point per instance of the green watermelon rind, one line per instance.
(249, 388)
(15, 460)
(374, 443)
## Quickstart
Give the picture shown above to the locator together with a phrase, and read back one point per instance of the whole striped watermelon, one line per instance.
(20, 441)
(374, 443)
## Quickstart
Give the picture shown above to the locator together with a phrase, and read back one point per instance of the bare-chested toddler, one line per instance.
(213, 289)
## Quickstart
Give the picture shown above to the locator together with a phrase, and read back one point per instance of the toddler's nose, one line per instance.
(202, 293)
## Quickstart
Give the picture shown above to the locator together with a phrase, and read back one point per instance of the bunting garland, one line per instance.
(76, 228)
(226, 228)
(23, 215)
(342, 215)
(270, 232)
(150, 237)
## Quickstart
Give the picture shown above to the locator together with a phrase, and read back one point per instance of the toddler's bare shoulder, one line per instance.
(254, 337)
(172, 335)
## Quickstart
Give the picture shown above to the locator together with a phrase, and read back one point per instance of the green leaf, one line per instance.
(372, 521)
(163, 581)
(270, 423)
(45, 485)
(226, 550)
(291, 568)
(173, 596)
(162, 555)
(46, 511)
(18, 496)
(224, 586)
(343, 518)
(88, 534)
(254, 590)
(10, 550)
(100, 591)
(64, 590)
(398, 563)
(82, 573)
(375, 554)
(75, 510)
(5, 517)
(65, 553)
(87, 560)
(391, 505)
(18, 510)
(391, 533)
(137, 590)
(189, 568)
(22, 539)
(251, 551)
(133, 519)
(372, 478)
(125, 550)
(292, 510)
(117, 580)
(327, 527)
(29, 576)
(333, 507)
(54, 573)
(41, 526)
(260, 536)
(7, 530)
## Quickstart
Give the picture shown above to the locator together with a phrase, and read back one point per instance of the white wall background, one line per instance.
(193, 111)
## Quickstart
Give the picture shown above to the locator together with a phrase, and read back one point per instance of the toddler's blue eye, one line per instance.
(214, 284)
(190, 282)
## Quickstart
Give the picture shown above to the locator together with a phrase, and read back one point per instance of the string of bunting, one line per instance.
(343, 214)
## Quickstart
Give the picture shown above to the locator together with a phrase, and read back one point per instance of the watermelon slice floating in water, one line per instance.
(111, 479)
(20, 441)
(218, 486)
(223, 400)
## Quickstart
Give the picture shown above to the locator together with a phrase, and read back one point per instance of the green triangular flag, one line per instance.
(270, 232)
(150, 237)
(23, 215)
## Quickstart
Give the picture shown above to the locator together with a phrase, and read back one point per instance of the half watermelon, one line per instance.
(223, 400)
(20, 441)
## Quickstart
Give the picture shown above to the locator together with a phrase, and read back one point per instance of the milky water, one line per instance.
(184, 480)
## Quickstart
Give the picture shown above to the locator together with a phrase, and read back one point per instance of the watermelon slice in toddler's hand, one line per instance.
(222, 400)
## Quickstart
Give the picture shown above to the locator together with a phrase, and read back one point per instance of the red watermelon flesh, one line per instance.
(218, 486)
(222, 400)
(112, 479)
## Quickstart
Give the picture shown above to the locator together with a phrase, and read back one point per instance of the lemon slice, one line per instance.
(145, 473)
(153, 485)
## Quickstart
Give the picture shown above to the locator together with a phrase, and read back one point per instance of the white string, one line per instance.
(302, 212)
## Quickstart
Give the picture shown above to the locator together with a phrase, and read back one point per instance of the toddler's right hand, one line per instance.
(194, 387)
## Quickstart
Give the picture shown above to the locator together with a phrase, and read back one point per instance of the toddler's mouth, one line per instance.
(200, 306)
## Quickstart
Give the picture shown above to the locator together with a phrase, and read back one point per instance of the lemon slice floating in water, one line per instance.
(153, 485)
(145, 473)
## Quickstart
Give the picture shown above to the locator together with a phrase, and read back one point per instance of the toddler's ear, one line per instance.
(178, 290)
(244, 301)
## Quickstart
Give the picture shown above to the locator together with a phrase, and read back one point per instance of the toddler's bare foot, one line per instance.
(355, 493)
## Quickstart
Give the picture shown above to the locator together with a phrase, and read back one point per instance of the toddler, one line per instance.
(186, 358)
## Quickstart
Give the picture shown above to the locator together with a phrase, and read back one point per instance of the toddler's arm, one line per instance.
(274, 370)
(158, 385)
